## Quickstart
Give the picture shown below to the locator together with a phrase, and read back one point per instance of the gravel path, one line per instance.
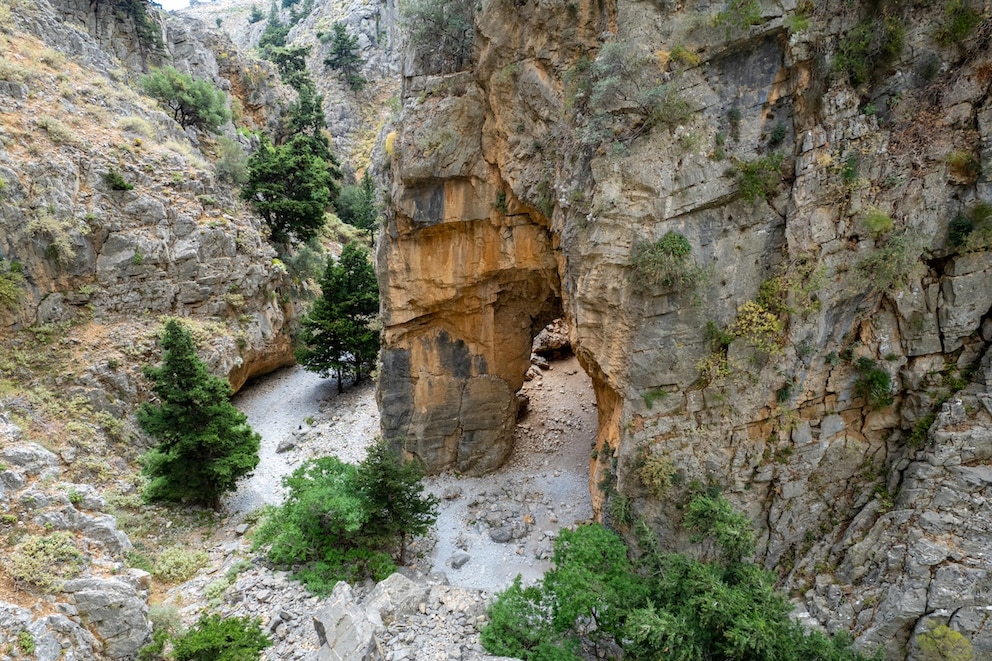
(276, 406)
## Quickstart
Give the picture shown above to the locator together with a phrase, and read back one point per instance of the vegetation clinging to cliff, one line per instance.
(193, 102)
(666, 264)
(654, 604)
(441, 33)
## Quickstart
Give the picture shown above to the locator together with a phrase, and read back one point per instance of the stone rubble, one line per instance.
(94, 616)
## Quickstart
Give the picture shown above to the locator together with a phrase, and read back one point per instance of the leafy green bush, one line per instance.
(943, 643)
(178, 563)
(11, 286)
(738, 15)
(214, 638)
(356, 205)
(892, 265)
(620, 95)
(758, 326)
(872, 383)
(759, 179)
(655, 474)
(25, 642)
(960, 21)
(972, 231)
(666, 263)
(193, 102)
(342, 521)
(868, 50)
(116, 180)
(656, 605)
(46, 561)
(958, 230)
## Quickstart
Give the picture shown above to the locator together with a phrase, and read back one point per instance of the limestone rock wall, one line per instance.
(179, 241)
(849, 264)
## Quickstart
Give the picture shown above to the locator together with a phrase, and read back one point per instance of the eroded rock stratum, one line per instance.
(524, 182)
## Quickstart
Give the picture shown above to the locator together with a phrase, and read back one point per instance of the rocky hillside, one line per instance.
(768, 227)
(112, 217)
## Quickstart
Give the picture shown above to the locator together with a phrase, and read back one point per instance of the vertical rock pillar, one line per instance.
(467, 278)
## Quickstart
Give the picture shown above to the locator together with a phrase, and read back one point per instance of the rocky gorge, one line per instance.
(764, 226)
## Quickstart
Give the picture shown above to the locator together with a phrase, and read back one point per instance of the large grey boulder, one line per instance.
(344, 629)
(30, 458)
(393, 598)
(115, 611)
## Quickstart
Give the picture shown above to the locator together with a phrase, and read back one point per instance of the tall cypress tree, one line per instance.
(338, 333)
(205, 444)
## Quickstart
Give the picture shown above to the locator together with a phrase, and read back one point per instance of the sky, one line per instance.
(172, 4)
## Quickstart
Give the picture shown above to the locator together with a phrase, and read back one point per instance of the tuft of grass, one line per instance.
(138, 125)
(877, 222)
(873, 384)
(666, 263)
(891, 266)
(685, 56)
(57, 131)
(963, 166)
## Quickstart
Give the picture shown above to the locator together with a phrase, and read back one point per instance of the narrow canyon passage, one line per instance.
(490, 528)
(496, 526)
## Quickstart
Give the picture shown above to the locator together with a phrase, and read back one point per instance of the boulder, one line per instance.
(343, 628)
(115, 611)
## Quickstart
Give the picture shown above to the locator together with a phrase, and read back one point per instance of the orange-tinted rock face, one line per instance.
(464, 295)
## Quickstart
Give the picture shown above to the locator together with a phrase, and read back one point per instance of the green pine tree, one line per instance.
(193, 102)
(393, 495)
(205, 444)
(338, 334)
(344, 57)
(356, 205)
(290, 186)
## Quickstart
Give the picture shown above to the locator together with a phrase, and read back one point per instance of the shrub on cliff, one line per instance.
(342, 522)
(441, 33)
(344, 57)
(193, 102)
(205, 444)
(216, 638)
(356, 205)
(656, 605)
(11, 285)
(666, 264)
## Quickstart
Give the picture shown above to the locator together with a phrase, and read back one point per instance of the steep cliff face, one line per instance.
(765, 226)
(178, 242)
